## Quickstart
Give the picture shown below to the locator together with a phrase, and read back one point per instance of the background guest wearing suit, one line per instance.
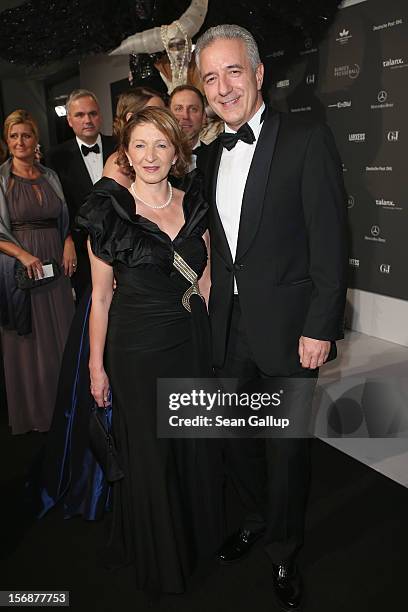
(79, 164)
(278, 268)
(187, 105)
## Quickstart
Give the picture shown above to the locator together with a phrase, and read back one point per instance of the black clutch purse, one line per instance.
(24, 282)
(103, 445)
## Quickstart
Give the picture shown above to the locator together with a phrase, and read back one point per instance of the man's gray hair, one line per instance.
(230, 32)
(80, 93)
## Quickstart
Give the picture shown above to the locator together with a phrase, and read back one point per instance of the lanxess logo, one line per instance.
(359, 137)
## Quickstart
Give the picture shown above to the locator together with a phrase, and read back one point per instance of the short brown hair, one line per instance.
(164, 121)
(131, 101)
(197, 92)
(20, 116)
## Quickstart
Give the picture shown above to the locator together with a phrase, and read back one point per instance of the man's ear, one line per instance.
(259, 75)
(69, 120)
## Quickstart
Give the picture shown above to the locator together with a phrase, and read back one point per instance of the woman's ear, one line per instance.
(128, 116)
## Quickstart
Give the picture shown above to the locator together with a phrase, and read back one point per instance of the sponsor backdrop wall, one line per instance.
(357, 81)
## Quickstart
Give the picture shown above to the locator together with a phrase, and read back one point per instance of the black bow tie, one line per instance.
(230, 139)
(85, 150)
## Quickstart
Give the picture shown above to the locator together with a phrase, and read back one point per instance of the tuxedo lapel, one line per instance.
(257, 180)
(79, 169)
(218, 238)
(107, 148)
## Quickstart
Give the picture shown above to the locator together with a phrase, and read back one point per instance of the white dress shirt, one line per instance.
(231, 180)
(93, 161)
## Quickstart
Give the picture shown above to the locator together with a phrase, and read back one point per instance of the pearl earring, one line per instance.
(130, 163)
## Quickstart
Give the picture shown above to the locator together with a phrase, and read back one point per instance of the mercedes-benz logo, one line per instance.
(375, 231)
(382, 96)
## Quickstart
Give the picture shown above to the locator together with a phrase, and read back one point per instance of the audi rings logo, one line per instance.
(351, 201)
(375, 231)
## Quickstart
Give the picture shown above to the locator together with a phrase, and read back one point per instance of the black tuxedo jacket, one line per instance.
(291, 259)
(67, 161)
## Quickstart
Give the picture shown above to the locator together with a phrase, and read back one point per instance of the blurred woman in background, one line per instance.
(129, 103)
(34, 323)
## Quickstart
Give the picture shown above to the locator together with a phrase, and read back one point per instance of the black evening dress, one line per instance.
(166, 510)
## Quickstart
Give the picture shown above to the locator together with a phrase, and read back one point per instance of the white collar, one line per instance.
(97, 141)
(254, 123)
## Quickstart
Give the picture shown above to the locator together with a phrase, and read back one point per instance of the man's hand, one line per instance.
(313, 353)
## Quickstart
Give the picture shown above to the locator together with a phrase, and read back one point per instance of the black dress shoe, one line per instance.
(287, 586)
(237, 546)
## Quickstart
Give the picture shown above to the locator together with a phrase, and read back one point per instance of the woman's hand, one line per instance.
(32, 264)
(100, 388)
(69, 258)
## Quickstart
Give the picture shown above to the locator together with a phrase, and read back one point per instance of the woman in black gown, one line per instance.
(165, 515)
(66, 471)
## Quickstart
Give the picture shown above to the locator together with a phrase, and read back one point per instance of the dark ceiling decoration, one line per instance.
(276, 24)
(42, 31)
(141, 67)
(144, 9)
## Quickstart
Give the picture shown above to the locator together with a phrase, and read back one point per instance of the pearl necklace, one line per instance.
(155, 206)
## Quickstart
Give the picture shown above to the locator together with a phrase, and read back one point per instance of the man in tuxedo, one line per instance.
(79, 164)
(187, 105)
(278, 272)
